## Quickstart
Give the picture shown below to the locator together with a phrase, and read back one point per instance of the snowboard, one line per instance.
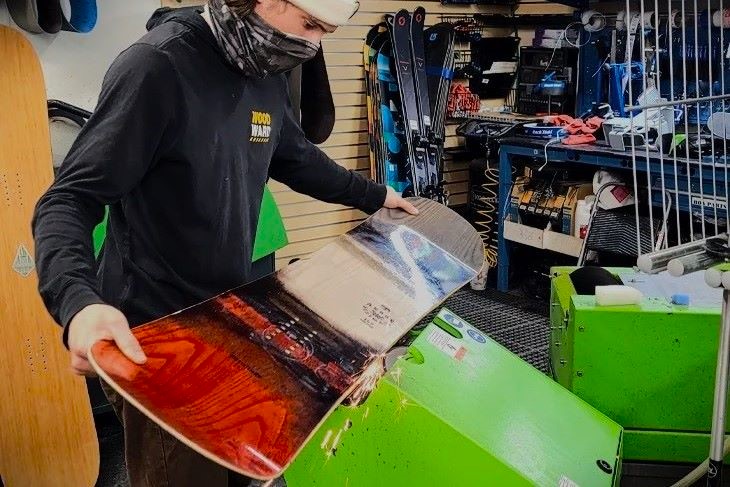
(246, 378)
(47, 434)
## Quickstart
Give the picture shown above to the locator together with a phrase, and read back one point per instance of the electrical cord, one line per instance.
(544, 149)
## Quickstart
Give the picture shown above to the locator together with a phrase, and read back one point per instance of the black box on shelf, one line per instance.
(535, 95)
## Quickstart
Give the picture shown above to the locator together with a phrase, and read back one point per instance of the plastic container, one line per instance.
(583, 216)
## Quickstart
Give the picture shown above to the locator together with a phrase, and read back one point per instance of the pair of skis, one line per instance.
(421, 143)
(408, 75)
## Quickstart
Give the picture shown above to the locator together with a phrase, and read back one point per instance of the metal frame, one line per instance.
(594, 156)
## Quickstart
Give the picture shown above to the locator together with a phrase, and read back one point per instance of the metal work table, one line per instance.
(655, 168)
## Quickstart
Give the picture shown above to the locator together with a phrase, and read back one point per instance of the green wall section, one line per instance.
(462, 411)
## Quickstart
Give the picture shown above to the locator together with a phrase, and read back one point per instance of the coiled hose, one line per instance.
(486, 207)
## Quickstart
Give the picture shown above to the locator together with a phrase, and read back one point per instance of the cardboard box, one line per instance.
(545, 197)
(556, 207)
(574, 194)
(515, 202)
(542, 238)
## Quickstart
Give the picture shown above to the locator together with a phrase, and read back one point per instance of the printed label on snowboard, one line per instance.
(23, 263)
(476, 336)
(446, 343)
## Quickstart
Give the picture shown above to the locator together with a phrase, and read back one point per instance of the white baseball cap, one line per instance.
(333, 12)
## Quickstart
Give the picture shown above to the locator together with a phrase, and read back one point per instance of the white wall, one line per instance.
(74, 64)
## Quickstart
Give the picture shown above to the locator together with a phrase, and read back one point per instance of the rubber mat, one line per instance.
(520, 325)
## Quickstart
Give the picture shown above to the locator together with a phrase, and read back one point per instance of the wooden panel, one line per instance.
(181, 3)
(310, 233)
(277, 187)
(284, 261)
(456, 176)
(347, 86)
(544, 8)
(349, 113)
(457, 188)
(451, 166)
(305, 247)
(354, 125)
(458, 199)
(343, 58)
(349, 99)
(319, 219)
(288, 197)
(344, 152)
(453, 141)
(337, 140)
(308, 207)
(346, 72)
(333, 44)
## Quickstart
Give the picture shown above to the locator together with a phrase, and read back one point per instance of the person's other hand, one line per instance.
(100, 322)
(392, 200)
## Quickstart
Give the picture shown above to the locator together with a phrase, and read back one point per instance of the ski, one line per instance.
(401, 33)
(368, 54)
(427, 138)
(389, 162)
(392, 136)
(440, 45)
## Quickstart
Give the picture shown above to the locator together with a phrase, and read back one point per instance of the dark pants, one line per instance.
(155, 458)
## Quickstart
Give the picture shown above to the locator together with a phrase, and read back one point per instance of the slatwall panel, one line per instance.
(311, 224)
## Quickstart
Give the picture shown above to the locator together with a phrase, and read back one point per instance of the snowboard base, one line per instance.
(246, 377)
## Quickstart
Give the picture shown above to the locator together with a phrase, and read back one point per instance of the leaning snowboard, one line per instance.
(47, 434)
(246, 377)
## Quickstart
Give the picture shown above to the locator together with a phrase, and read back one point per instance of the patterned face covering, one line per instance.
(255, 47)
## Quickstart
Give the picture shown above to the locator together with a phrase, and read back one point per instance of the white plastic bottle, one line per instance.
(583, 216)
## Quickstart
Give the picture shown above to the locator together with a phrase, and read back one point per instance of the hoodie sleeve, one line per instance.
(306, 169)
(132, 122)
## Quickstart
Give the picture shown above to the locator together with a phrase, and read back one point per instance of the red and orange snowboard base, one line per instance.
(246, 377)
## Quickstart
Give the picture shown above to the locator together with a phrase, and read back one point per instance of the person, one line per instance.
(191, 121)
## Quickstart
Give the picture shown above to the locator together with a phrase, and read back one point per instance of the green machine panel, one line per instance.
(459, 409)
(649, 367)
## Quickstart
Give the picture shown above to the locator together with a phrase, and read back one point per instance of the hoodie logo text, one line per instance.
(260, 127)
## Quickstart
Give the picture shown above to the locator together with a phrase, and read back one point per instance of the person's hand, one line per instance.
(100, 322)
(392, 200)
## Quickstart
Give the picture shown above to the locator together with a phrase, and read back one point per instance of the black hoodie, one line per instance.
(180, 146)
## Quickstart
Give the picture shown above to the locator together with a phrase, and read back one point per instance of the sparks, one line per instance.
(368, 380)
(396, 374)
(326, 440)
(336, 441)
